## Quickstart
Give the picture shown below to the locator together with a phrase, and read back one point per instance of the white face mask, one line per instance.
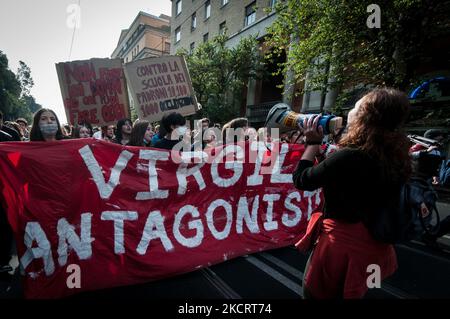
(48, 129)
(180, 131)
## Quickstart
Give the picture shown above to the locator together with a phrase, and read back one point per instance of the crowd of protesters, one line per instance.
(372, 158)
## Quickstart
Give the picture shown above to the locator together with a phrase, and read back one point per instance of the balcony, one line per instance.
(256, 114)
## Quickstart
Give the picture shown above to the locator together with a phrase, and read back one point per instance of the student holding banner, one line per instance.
(106, 133)
(84, 130)
(46, 127)
(141, 134)
(174, 124)
(123, 132)
(357, 181)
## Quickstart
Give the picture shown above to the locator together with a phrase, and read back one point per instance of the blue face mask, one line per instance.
(48, 129)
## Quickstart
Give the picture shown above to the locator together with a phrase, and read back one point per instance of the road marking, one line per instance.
(219, 284)
(398, 293)
(418, 242)
(280, 263)
(423, 253)
(296, 288)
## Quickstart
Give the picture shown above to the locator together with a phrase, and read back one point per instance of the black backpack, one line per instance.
(401, 219)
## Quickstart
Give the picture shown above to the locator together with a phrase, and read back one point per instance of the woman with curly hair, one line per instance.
(358, 180)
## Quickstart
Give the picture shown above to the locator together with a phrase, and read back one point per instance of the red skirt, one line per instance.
(338, 267)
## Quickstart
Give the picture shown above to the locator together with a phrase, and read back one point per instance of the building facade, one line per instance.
(147, 36)
(197, 21)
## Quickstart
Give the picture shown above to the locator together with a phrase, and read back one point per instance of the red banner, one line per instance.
(128, 215)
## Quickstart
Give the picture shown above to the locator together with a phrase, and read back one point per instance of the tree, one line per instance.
(220, 74)
(15, 98)
(24, 78)
(335, 47)
(9, 87)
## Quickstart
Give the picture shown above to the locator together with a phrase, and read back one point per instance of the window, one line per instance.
(167, 47)
(137, 51)
(177, 34)
(193, 21)
(205, 37)
(207, 9)
(191, 48)
(224, 2)
(178, 7)
(250, 14)
(222, 28)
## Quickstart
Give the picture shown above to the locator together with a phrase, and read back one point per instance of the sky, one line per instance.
(39, 33)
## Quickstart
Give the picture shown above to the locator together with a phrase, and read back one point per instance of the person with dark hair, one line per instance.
(108, 133)
(7, 134)
(235, 130)
(83, 130)
(67, 130)
(4, 137)
(174, 125)
(46, 127)
(123, 132)
(358, 181)
(427, 161)
(295, 136)
(141, 134)
(205, 123)
(14, 127)
(23, 128)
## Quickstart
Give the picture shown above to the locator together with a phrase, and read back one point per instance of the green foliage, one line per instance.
(330, 39)
(220, 74)
(15, 98)
(24, 78)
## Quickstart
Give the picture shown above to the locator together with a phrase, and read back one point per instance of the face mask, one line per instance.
(180, 131)
(48, 129)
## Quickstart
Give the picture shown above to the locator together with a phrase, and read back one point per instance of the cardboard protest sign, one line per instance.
(128, 215)
(159, 86)
(94, 91)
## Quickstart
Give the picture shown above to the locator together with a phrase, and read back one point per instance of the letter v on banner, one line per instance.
(105, 189)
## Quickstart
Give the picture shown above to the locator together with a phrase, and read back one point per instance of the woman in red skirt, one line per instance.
(358, 180)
